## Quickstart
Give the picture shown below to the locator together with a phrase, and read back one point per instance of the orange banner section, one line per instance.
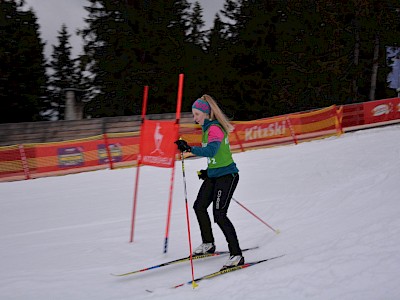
(316, 124)
(11, 165)
(274, 131)
(123, 147)
(157, 146)
(47, 159)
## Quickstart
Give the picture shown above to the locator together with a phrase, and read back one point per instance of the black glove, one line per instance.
(183, 146)
(202, 174)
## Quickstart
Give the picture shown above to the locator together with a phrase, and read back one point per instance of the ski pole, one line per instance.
(277, 231)
(194, 284)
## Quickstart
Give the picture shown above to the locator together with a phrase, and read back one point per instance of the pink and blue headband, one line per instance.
(202, 105)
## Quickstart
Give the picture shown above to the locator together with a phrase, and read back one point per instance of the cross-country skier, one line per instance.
(220, 178)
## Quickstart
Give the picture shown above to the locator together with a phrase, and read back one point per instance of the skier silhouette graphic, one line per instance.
(158, 137)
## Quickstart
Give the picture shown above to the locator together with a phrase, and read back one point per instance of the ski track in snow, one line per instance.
(336, 202)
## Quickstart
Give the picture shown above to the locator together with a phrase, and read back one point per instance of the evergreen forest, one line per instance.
(260, 58)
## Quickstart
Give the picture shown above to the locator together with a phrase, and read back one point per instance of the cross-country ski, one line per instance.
(180, 260)
(227, 270)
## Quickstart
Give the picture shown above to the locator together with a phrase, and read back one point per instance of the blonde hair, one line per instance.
(216, 113)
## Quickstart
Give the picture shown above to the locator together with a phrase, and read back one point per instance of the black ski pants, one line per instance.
(218, 191)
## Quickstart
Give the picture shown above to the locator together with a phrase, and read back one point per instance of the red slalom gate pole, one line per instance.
(171, 188)
(144, 104)
(179, 98)
(144, 108)
(277, 231)
(135, 200)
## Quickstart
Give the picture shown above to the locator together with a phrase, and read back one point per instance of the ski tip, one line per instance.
(251, 248)
(277, 231)
(178, 285)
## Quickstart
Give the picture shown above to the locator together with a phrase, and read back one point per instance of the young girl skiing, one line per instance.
(220, 178)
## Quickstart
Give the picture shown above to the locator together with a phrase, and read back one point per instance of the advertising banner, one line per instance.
(157, 146)
(381, 111)
(261, 132)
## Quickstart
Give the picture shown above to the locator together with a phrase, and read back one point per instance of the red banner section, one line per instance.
(381, 111)
(157, 146)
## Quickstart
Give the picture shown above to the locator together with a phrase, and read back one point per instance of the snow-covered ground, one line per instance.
(336, 202)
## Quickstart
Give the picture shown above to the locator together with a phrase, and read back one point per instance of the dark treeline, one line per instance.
(22, 65)
(260, 58)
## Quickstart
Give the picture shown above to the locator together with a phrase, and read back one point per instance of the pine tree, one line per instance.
(232, 13)
(218, 70)
(135, 43)
(196, 35)
(179, 25)
(314, 48)
(252, 41)
(64, 74)
(22, 64)
(217, 38)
